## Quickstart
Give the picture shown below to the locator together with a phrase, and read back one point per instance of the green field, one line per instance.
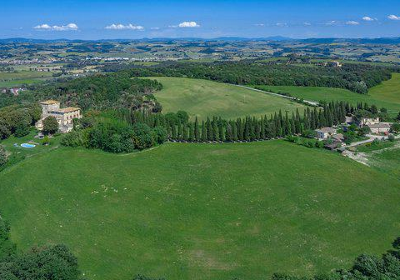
(204, 99)
(385, 95)
(19, 78)
(197, 211)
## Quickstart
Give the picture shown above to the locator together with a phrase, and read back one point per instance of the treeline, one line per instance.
(355, 77)
(279, 125)
(116, 90)
(45, 263)
(113, 135)
(18, 119)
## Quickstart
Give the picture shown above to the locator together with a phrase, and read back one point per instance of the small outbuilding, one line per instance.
(325, 132)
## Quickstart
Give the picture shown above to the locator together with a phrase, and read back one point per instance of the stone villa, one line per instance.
(64, 116)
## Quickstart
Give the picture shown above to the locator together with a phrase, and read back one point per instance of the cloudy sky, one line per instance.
(106, 19)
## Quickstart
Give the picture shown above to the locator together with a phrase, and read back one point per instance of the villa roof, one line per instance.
(379, 125)
(69, 109)
(49, 102)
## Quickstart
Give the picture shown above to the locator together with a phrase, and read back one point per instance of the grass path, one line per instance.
(197, 211)
(204, 99)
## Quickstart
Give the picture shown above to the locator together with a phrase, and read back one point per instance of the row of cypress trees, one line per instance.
(277, 125)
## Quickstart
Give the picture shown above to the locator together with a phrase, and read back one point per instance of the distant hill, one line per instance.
(389, 40)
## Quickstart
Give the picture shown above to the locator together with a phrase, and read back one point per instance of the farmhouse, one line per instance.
(368, 121)
(380, 128)
(325, 132)
(64, 116)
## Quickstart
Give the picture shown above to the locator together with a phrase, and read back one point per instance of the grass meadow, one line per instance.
(198, 211)
(385, 95)
(204, 99)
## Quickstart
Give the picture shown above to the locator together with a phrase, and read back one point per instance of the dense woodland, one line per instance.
(102, 92)
(355, 77)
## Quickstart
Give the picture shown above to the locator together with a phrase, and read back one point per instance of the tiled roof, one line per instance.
(49, 102)
(69, 110)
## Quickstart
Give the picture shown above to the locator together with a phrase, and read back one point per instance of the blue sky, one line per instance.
(100, 19)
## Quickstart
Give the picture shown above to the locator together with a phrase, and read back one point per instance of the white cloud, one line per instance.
(155, 28)
(68, 27)
(307, 24)
(124, 27)
(368, 19)
(393, 17)
(259, 24)
(188, 24)
(332, 22)
(282, 24)
(352, 22)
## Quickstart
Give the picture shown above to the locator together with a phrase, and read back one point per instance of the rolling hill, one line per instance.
(385, 95)
(196, 211)
(204, 99)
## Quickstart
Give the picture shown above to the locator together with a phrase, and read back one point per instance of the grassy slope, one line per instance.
(206, 99)
(19, 78)
(385, 95)
(192, 211)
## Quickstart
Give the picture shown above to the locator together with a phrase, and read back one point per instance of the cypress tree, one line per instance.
(185, 132)
(180, 131)
(174, 135)
(221, 130)
(229, 134)
(210, 135)
(196, 130)
(204, 136)
(215, 130)
(235, 135)
(191, 132)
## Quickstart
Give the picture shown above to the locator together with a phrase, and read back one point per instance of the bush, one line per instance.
(159, 135)
(73, 139)
(395, 128)
(3, 156)
(391, 138)
(319, 144)
(115, 137)
(309, 134)
(142, 136)
(46, 140)
(22, 130)
(50, 125)
(4, 132)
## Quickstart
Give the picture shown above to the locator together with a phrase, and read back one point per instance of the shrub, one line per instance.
(115, 137)
(50, 125)
(4, 132)
(142, 136)
(391, 138)
(159, 135)
(3, 156)
(73, 139)
(319, 144)
(309, 133)
(46, 140)
(22, 130)
(395, 127)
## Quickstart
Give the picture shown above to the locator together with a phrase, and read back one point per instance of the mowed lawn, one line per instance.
(197, 211)
(204, 99)
(385, 95)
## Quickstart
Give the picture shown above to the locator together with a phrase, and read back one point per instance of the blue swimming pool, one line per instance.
(28, 146)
